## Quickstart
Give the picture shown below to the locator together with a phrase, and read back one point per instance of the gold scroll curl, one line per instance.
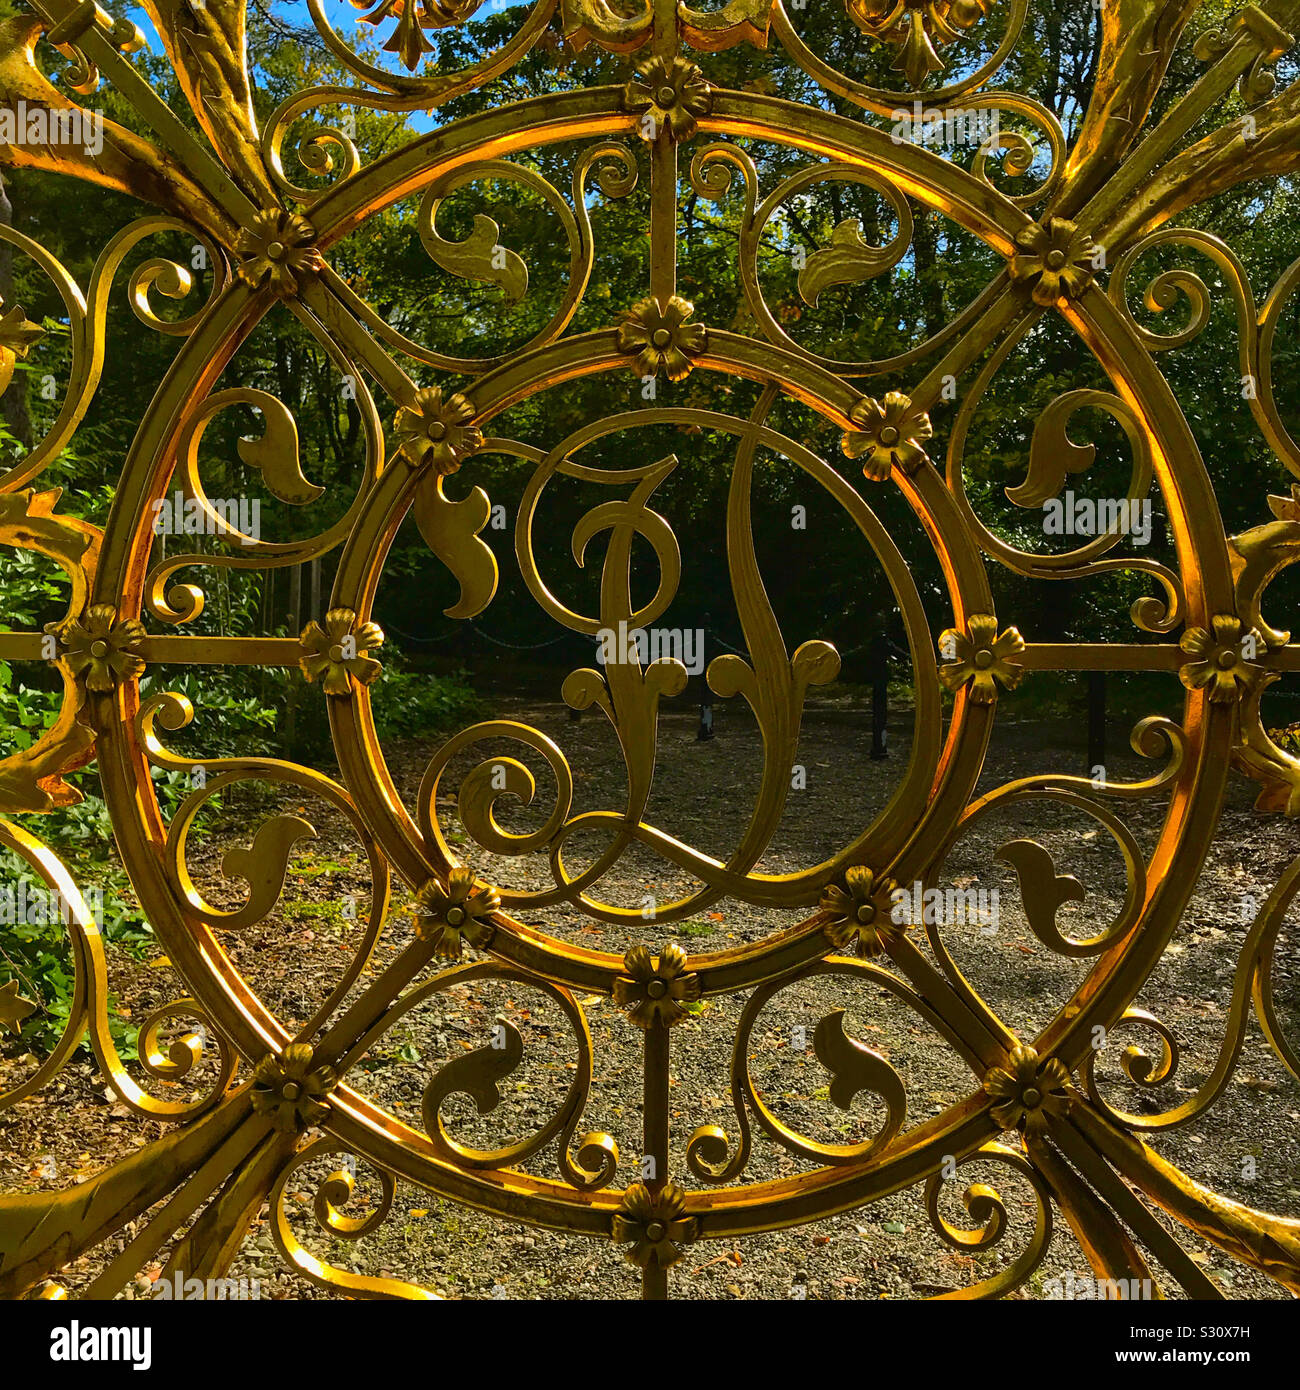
(411, 93)
(35, 778)
(1252, 984)
(1256, 327)
(88, 319)
(987, 1207)
(478, 1073)
(1054, 455)
(332, 1195)
(275, 455)
(853, 1068)
(848, 260)
(1043, 892)
(398, 94)
(88, 1009)
(265, 864)
(474, 259)
(881, 100)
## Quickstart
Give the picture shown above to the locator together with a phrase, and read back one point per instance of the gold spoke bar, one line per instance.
(194, 650)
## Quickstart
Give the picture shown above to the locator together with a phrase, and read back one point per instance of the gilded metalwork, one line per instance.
(1067, 240)
(918, 30)
(457, 913)
(887, 436)
(655, 991)
(981, 658)
(339, 653)
(658, 337)
(437, 433)
(861, 910)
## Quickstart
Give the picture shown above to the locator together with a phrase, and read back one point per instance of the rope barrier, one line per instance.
(517, 647)
(420, 641)
(474, 627)
(738, 651)
(554, 641)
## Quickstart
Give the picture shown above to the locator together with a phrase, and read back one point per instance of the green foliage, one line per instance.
(35, 952)
(822, 580)
(25, 713)
(410, 703)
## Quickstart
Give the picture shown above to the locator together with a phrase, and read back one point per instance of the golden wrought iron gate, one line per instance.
(284, 1096)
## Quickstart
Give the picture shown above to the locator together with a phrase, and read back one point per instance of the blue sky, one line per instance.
(344, 17)
(340, 13)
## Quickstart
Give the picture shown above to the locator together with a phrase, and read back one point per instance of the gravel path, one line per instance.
(1245, 1147)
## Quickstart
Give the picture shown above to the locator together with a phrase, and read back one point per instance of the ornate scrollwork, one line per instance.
(917, 31)
(853, 1067)
(478, 1073)
(255, 1103)
(986, 1206)
(981, 658)
(275, 454)
(35, 778)
(1043, 891)
(920, 33)
(1256, 326)
(331, 1197)
(847, 260)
